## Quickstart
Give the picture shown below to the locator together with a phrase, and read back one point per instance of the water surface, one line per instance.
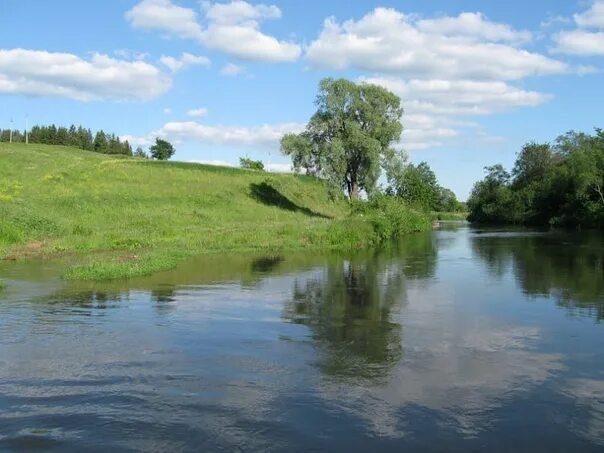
(459, 339)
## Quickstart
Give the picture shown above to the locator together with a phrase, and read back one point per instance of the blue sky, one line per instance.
(227, 79)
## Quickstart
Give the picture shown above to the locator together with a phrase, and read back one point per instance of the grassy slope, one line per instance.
(117, 217)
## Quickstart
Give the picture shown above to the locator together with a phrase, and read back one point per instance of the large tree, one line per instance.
(162, 149)
(349, 138)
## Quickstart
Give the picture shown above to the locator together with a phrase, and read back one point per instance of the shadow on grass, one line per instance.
(268, 195)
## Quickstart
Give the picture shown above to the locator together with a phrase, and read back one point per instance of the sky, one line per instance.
(223, 80)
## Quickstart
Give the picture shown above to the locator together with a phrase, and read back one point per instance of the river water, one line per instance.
(454, 340)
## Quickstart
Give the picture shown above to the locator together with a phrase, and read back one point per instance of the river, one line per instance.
(453, 340)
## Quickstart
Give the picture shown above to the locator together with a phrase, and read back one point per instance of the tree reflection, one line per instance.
(348, 309)
(568, 267)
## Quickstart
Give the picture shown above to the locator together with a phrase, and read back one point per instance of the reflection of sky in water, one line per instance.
(448, 338)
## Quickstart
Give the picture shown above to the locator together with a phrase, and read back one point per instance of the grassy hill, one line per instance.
(114, 217)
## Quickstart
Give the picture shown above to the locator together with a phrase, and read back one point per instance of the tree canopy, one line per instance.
(162, 149)
(349, 139)
(551, 184)
(78, 137)
(417, 185)
(250, 164)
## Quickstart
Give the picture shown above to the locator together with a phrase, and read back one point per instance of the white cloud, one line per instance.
(165, 16)
(167, 111)
(135, 140)
(42, 73)
(443, 68)
(232, 28)
(458, 97)
(198, 113)
(185, 60)
(267, 135)
(593, 17)
(239, 11)
(433, 108)
(388, 41)
(580, 42)
(474, 25)
(232, 70)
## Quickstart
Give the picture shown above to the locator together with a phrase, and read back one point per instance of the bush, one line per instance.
(250, 164)
(390, 217)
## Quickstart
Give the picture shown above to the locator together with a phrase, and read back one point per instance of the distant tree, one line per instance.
(350, 137)
(417, 185)
(447, 201)
(250, 164)
(100, 142)
(78, 137)
(162, 149)
(492, 199)
(139, 152)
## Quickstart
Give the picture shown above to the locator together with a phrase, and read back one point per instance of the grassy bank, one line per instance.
(114, 217)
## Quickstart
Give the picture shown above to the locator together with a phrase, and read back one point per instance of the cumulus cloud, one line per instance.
(443, 68)
(458, 97)
(593, 17)
(580, 42)
(232, 28)
(473, 25)
(433, 108)
(136, 140)
(388, 41)
(267, 135)
(42, 73)
(165, 16)
(588, 38)
(198, 113)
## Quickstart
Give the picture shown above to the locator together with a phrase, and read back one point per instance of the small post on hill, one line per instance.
(10, 134)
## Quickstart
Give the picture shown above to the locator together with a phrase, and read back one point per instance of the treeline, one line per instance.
(418, 186)
(79, 137)
(558, 184)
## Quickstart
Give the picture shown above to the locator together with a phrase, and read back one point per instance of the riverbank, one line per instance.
(113, 217)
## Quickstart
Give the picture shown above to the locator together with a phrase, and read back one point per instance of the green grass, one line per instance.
(116, 217)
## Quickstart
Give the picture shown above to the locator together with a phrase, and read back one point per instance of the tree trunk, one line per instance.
(353, 191)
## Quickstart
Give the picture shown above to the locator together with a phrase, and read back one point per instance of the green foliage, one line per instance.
(119, 217)
(560, 184)
(349, 138)
(249, 164)
(162, 149)
(140, 152)
(391, 217)
(417, 185)
(77, 137)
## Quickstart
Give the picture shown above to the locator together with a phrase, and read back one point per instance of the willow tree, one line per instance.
(349, 138)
